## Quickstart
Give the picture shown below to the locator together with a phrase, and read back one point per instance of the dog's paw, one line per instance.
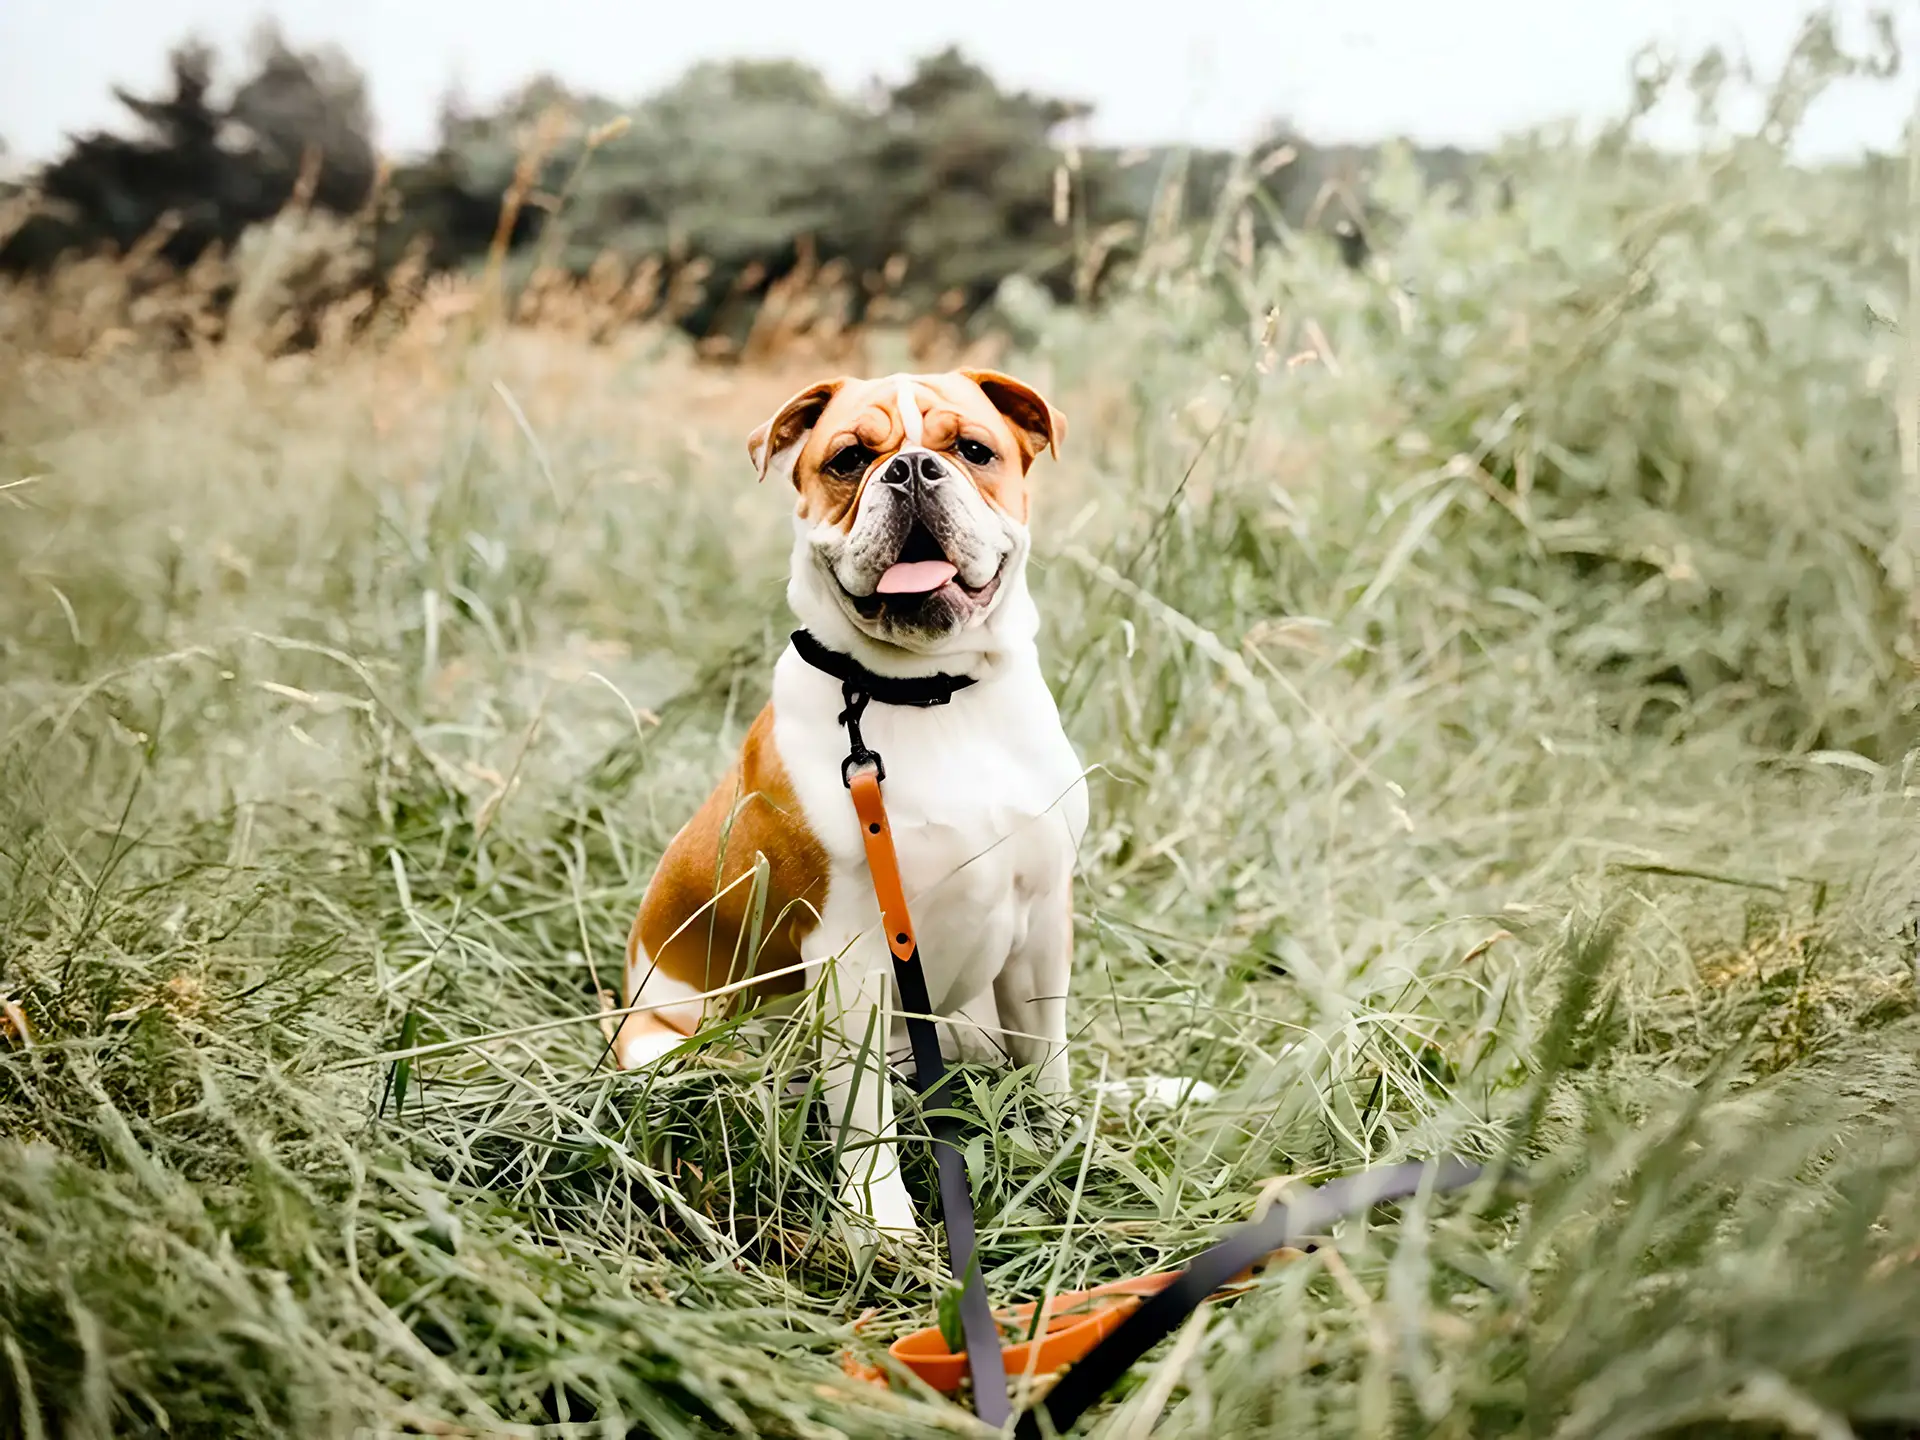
(880, 1213)
(1053, 1082)
(896, 1250)
(636, 1047)
(1056, 1106)
(1169, 1092)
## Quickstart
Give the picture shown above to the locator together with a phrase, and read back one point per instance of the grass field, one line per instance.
(1496, 676)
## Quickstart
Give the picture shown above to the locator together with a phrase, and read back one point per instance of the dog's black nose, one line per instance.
(905, 469)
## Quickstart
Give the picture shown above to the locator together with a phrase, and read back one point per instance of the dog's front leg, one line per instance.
(855, 991)
(1031, 993)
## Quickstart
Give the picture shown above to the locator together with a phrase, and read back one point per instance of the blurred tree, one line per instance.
(963, 180)
(450, 202)
(932, 191)
(203, 170)
(746, 167)
(735, 166)
(12, 185)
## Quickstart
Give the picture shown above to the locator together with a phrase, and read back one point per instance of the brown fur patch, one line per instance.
(700, 941)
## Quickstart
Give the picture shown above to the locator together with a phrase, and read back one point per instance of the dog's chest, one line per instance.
(986, 832)
(987, 806)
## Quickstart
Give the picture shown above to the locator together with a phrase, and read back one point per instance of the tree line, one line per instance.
(929, 192)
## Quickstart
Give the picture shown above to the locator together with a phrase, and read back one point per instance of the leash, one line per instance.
(1098, 1341)
(1215, 1269)
(861, 772)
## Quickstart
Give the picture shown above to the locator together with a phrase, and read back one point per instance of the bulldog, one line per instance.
(909, 575)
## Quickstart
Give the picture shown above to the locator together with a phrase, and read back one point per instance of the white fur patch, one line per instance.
(675, 1003)
(909, 410)
(639, 1051)
(1171, 1091)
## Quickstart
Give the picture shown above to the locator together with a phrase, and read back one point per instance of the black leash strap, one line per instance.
(985, 1363)
(1162, 1313)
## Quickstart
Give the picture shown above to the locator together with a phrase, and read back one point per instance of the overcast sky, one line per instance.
(1201, 70)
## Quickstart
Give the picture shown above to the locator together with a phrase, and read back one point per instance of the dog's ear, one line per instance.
(1036, 424)
(789, 425)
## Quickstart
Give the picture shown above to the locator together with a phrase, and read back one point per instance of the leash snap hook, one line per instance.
(859, 757)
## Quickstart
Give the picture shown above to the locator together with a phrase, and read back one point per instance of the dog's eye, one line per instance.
(849, 462)
(974, 453)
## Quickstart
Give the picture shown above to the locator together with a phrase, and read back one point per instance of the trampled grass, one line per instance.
(1497, 699)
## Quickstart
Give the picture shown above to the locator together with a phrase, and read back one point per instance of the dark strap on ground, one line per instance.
(984, 1362)
(1161, 1314)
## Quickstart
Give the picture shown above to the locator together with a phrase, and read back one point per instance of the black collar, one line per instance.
(917, 690)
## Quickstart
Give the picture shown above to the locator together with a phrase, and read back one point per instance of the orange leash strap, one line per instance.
(984, 1361)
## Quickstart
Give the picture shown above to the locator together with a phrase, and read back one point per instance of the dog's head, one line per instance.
(911, 519)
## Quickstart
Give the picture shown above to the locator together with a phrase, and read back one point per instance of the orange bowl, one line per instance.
(1074, 1323)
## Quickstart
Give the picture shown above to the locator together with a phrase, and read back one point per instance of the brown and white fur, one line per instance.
(985, 794)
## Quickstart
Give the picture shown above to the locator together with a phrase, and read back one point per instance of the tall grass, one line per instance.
(1499, 711)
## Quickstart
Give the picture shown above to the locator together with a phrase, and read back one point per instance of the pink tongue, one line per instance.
(915, 577)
